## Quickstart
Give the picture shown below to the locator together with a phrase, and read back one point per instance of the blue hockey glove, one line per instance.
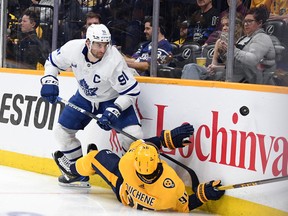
(103, 126)
(208, 191)
(178, 137)
(109, 117)
(50, 89)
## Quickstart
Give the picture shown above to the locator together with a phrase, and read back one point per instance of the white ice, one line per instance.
(24, 193)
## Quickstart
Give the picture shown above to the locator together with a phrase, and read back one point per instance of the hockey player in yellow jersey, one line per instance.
(141, 179)
(162, 190)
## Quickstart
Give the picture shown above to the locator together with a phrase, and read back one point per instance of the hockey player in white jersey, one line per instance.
(106, 86)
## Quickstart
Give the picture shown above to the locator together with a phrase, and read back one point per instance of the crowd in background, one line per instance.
(185, 23)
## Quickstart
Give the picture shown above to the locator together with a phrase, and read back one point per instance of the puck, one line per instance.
(244, 110)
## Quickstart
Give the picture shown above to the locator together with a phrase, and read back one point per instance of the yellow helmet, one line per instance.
(146, 158)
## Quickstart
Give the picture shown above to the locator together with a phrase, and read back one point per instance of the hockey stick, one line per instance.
(193, 176)
(252, 183)
(93, 116)
(191, 172)
(195, 181)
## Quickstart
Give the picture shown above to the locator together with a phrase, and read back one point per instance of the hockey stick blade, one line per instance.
(252, 183)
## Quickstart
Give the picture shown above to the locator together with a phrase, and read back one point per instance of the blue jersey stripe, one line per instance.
(129, 89)
(52, 62)
(134, 94)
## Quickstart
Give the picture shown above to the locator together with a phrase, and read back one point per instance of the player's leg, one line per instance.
(129, 122)
(71, 147)
(103, 163)
(125, 141)
(68, 143)
(69, 179)
(70, 121)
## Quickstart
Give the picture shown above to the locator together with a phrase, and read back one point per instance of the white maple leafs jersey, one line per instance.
(108, 78)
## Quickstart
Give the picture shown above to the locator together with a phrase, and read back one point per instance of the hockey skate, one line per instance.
(68, 179)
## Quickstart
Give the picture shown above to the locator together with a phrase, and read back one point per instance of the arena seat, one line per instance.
(278, 28)
(208, 52)
(279, 47)
(169, 72)
(278, 31)
(175, 48)
(186, 54)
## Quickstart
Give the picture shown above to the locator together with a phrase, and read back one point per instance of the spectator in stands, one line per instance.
(142, 58)
(71, 18)
(257, 3)
(216, 70)
(254, 53)
(141, 8)
(29, 50)
(183, 34)
(278, 8)
(13, 7)
(23, 4)
(86, 5)
(240, 10)
(46, 10)
(203, 21)
(91, 18)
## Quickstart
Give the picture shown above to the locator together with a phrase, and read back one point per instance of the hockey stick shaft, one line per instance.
(253, 183)
(193, 176)
(93, 116)
(191, 172)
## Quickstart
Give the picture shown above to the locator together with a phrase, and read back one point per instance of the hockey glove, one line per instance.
(208, 191)
(109, 117)
(50, 89)
(176, 137)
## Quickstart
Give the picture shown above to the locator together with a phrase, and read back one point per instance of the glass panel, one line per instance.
(126, 21)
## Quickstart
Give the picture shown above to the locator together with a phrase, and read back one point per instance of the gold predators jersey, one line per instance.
(167, 193)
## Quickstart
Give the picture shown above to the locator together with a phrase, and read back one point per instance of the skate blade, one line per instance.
(76, 184)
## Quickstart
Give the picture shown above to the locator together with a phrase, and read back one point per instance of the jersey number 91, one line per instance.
(123, 78)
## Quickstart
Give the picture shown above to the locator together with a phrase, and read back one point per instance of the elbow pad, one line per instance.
(124, 101)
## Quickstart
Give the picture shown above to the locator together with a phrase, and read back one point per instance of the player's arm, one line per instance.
(176, 138)
(205, 192)
(124, 82)
(56, 62)
(128, 88)
(139, 66)
(128, 95)
(132, 62)
(49, 81)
